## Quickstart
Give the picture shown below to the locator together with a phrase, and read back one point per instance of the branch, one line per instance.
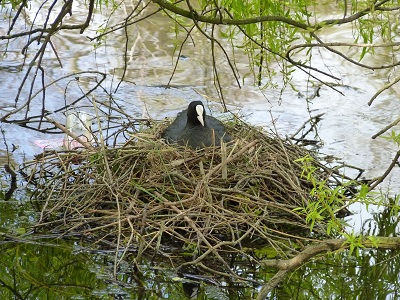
(223, 21)
(287, 266)
(89, 16)
(30, 119)
(382, 131)
(384, 88)
(387, 172)
(341, 44)
(81, 141)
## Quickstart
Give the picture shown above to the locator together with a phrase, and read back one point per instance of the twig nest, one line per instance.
(148, 191)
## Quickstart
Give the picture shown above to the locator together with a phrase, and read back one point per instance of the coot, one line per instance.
(192, 127)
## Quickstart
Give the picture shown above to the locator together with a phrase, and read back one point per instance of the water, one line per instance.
(49, 267)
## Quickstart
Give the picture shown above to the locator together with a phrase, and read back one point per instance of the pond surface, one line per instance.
(49, 268)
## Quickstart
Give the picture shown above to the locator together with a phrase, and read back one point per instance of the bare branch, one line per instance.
(387, 172)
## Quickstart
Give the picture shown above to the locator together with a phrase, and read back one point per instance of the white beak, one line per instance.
(200, 111)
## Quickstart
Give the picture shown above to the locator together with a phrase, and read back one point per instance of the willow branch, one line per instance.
(223, 21)
(309, 252)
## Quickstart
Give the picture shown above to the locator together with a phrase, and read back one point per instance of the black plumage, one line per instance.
(192, 127)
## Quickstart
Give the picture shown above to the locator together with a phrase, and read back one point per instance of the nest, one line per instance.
(150, 197)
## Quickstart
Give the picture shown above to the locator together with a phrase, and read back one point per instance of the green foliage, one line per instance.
(395, 205)
(286, 23)
(394, 136)
(15, 4)
(325, 201)
(354, 242)
(265, 252)
(190, 249)
(248, 209)
(101, 39)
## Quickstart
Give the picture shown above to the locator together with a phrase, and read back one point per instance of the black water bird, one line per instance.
(192, 127)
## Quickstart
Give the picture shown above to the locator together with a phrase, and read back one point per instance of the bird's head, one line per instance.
(196, 113)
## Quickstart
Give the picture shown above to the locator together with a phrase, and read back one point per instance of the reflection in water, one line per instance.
(48, 269)
(41, 270)
(8, 178)
(373, 274)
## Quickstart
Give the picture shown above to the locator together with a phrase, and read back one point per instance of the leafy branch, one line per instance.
(285, 267)
(193, 14)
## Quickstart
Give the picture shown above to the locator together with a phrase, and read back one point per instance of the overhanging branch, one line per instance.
(192, 14)
(289, 265)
